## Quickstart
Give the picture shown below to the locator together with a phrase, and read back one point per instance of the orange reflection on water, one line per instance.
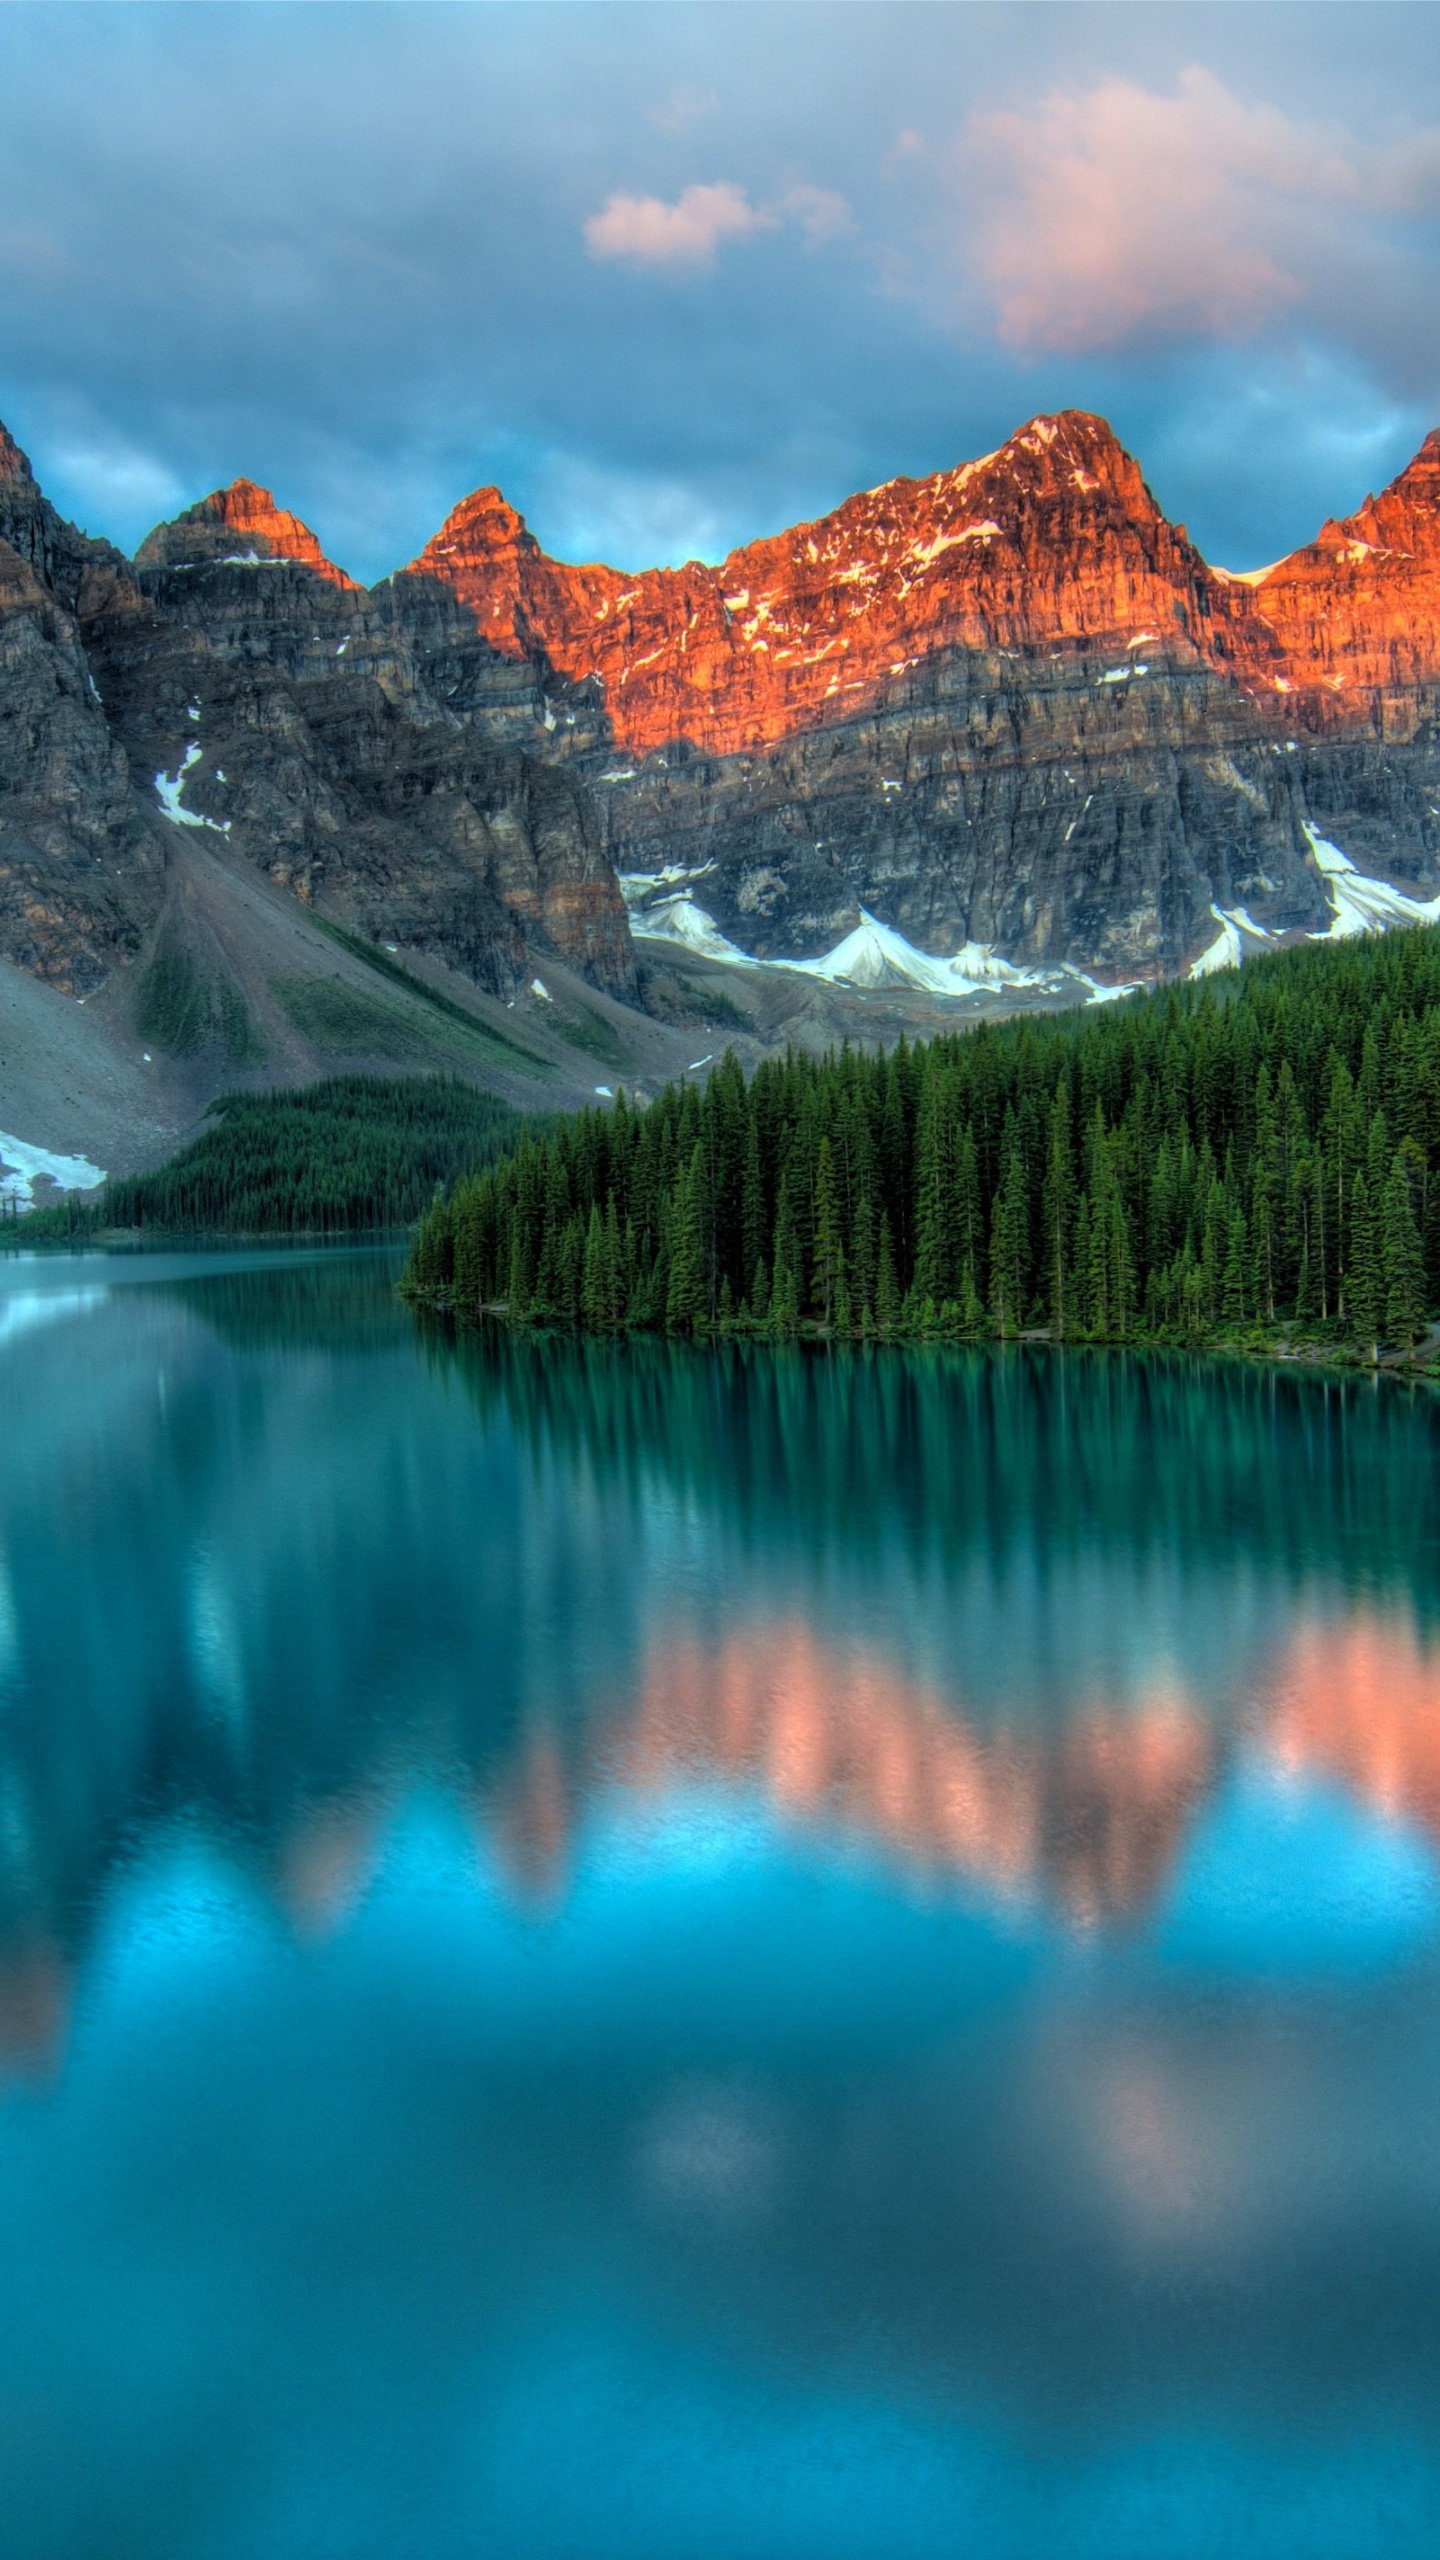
(1090, 1811)
(1360, 1699)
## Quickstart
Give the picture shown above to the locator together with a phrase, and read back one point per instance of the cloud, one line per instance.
(374, 311)
(1116, 211)
(688, 233)
(590, 512)
(118, 479)
(684, 234)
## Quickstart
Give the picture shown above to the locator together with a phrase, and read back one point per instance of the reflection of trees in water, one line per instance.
(319, 1302)
(953, 1449)
(953, 1458)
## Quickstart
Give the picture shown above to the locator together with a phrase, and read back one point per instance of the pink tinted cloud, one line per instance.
(684, 234)
(688, 233)
(1116, 211)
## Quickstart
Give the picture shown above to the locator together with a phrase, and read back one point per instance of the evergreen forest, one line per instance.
(1210, 1161)
(345, 1155)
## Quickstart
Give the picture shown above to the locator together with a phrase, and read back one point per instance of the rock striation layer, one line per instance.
(81, 863)
(232, 680)
(1009, 705)
(239, 527)
(1356, 612)
(1005, 709)
(1055, 538)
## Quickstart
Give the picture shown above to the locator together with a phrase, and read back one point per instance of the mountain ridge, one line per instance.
(1005, 714)
(1054, 537)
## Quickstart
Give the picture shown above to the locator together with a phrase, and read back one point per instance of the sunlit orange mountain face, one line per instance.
(237, 527)
(1006, 713)
(1053, 540)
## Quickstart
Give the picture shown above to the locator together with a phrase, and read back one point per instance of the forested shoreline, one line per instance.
(1204, 1163)
(344, 1156)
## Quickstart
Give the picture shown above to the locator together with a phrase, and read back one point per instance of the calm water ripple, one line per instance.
(616, 1951)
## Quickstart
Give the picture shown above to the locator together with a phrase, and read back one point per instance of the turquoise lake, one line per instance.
(614, 1950)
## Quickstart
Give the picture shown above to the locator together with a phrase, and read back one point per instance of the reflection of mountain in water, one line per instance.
(995, 1613)
(1088, 1811)
(1361, 1701)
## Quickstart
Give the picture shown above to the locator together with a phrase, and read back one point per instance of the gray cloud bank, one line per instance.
(677, 276)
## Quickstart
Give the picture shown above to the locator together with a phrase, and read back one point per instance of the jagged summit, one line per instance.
(14, 465)
(1004, 710)
(485, 520)
(240, 524)
(1357, 610)
(1053, 540)
(1054, 537)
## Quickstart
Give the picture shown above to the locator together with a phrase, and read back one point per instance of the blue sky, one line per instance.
(676, 276)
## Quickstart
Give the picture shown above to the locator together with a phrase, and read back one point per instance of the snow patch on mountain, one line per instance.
(1358, 903)
(22, 1166)
(680, 919)
(168, 788)
(871, 955)
(1239, 935)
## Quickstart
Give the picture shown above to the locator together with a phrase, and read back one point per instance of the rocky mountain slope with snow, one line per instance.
(1008, 706)
(997, 734)
(232, 680)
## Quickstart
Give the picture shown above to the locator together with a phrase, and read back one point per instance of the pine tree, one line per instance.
(1265, 1189)
(1059, 1213)
(687, 1297)
(887, 1292)
(934, 1186)
(969, 1217)
(1177, 1164)
(829, 1259)
(517, 1294)
(595, 1296)
(1120, 1268)
(614, 1265)
(570, 1271)
(863, 1250)
(1404, 1259)
(1233, 1307)
(1364, 1285)
(1009, 1248)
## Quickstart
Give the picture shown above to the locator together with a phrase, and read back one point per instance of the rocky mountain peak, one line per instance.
(13, 463)
(1005, 706)
(483, 523)
(1356, 611)
(485, 553)
(1074, 447)
(1053, 538)
(1406, 516)
(238, 525)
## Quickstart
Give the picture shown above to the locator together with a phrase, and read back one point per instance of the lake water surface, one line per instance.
(615, 1951)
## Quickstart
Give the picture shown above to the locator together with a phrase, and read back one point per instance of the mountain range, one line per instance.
(997, 735)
